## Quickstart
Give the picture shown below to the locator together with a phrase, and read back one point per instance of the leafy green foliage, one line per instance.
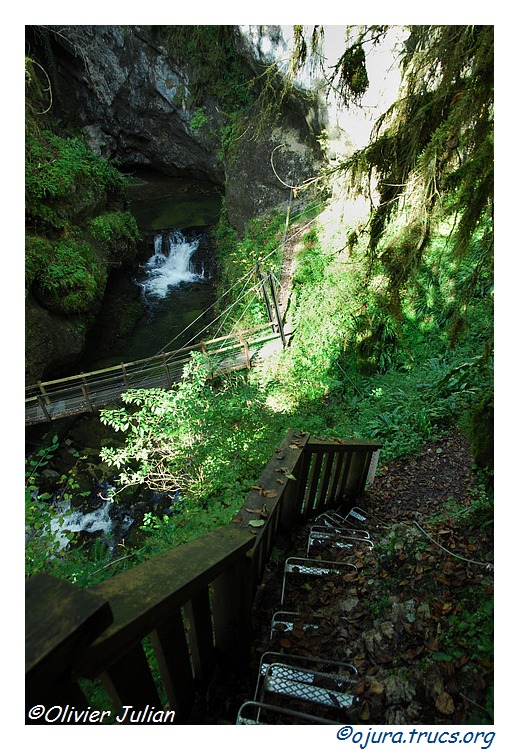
(199, 120)
(63, 177)
(209, 448)
(65, 184)
(471, 629)
(432, 152)
(237, 260)
(112, 226)
(216, 68)
(66, 273)
(40, 541)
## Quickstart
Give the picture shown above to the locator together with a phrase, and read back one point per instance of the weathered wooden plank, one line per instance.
(231, 606)
(358, 472)
(267, 494)
(61, 620)
(129, 682)
(201, 636)
(144, 597)
(303, 485)
(316, 444)
(269, 489)
(344, 477)
(170, 646)
(315, 476)
(320, 502)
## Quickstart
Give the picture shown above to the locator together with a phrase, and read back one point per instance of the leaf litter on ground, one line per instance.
(414, 618)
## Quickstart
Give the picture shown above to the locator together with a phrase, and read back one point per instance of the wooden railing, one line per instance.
(87, 392)
(192, 605)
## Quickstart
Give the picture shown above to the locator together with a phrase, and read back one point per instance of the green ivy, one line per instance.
(40, 544)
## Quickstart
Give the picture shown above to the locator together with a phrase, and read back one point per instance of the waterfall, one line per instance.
(170, 265)
(93, 521)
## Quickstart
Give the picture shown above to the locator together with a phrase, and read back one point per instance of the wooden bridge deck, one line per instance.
(88, 392)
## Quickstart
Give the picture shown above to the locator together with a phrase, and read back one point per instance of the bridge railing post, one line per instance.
(84, 390)
(245, 347)
(266, 297)
(277, 311)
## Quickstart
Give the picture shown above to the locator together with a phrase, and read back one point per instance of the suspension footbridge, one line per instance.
(91, 391)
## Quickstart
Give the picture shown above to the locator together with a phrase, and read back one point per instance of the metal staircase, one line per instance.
(304, 689)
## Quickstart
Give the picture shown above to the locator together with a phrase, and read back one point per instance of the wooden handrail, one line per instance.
(143, 597)
(305, 476)
(193, 602)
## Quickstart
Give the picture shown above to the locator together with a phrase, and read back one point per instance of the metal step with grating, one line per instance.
(299, 689)
(322, 538)
(324, 578)
(306, 685)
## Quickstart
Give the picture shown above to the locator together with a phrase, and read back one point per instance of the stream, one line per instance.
(163, 303)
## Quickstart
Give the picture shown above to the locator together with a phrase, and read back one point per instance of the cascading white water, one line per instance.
(171, 264)
(77, 520)
(97, 520)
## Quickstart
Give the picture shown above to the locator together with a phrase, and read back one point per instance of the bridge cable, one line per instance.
(224, 313)
(252, 289)
(249, 273)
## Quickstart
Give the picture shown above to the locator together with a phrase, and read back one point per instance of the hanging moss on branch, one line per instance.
(431, 153)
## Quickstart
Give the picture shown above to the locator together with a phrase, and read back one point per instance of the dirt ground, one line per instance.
(411, 624)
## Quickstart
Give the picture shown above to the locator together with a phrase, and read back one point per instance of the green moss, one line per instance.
(63, 178)
(114, 225)
(216, 69)
(67, 251)
(37, 252)
(70, 279)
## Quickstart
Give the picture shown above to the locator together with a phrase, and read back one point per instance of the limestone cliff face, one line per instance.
(121, 86)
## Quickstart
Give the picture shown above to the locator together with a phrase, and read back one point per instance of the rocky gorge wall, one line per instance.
(131, 97)
(133, 101)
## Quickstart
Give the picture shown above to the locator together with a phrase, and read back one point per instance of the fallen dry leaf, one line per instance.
(269, 493)
(375, 687)
(444, 703)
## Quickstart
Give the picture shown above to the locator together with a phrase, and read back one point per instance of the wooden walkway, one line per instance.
(88, 392)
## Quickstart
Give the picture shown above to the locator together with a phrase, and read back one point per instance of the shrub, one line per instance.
(111, 226)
